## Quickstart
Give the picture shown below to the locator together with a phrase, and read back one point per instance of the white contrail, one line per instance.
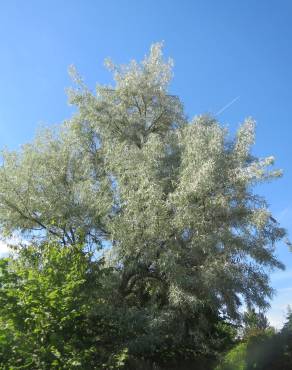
(227, 106)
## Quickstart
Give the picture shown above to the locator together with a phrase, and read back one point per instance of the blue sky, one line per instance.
(222, 50)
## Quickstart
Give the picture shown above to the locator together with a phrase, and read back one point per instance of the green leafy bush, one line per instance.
(53, 312)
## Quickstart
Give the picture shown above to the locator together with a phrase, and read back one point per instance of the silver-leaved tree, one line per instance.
(168, 203)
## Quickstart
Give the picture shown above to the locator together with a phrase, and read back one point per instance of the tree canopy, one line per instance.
(165, 205)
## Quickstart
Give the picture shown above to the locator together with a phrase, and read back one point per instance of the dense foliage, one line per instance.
(53, 312)
(143, 232)
(262, 349)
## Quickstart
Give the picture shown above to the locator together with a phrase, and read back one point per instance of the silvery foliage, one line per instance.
(173, 200)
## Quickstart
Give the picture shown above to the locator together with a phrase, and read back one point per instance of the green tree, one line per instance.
(254, 322)
(171, 202)
(262, 347)
(56, 312)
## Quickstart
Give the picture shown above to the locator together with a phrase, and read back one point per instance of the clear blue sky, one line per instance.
(222, 50)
